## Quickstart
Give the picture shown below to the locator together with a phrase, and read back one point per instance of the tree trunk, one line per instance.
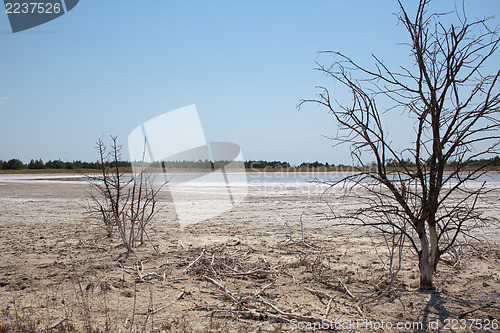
(425, 264)
(434, 247)
(426, 273)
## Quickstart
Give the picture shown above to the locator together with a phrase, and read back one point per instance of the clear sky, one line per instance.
(109, 65)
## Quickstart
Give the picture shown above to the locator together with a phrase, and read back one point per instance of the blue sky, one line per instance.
(108, 66)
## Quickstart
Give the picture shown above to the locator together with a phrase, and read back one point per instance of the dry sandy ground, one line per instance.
(238, 272)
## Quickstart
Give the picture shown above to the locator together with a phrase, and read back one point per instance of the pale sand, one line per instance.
(48, 250)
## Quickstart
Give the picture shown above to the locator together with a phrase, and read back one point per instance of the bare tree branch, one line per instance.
(421, 193)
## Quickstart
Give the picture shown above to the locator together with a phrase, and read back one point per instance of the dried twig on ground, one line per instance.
(492, 304)
(231, 262)
(288, 316)
(246, 309)
(195, 261)
(341, 283)
(138, 271)
(319, 293)
(224, 290)
(57, 323)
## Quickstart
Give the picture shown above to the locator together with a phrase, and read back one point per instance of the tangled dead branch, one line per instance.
(140, 274)
(231, 262)
(246, 307)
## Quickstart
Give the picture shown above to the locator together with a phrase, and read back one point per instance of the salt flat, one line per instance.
(49, 250)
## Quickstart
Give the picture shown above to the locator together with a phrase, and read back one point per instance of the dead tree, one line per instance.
(421, 191)
(124, 203)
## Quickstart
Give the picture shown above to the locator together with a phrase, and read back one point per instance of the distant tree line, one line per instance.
(16, 164)
(266, 164)
(495, 161)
